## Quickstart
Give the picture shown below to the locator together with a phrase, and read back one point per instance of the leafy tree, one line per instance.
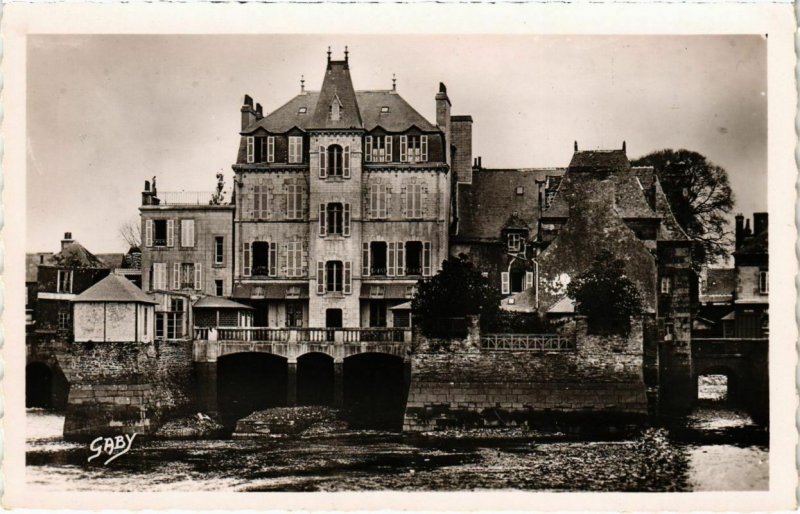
(606, 296)
(700, 197)
(456, 291)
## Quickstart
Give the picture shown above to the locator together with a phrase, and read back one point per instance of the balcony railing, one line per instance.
(185, 197)
(527, 342)
(305, 335)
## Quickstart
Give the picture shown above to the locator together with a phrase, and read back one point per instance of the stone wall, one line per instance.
(126, 387)
(458, 382)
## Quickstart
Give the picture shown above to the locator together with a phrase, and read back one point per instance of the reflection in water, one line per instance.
(370, 460)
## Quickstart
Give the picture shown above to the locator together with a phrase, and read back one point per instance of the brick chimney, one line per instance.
(259, 112)
(248, 112)
(760, 222)
(739, 233)
(443, 117)
(461, 127)
(67, 240)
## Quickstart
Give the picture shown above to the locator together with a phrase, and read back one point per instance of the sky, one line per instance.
(107, 112)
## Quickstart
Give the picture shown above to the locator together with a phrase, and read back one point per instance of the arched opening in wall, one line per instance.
(315, 379)
(249, 382)
(38, 385)
(375, 391)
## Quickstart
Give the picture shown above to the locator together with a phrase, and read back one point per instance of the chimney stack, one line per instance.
(747, 231)
(623, 147)
(739, 233)
(443, 117)
(67, 240)
(760, 222)
(248, 113)
(576, 146)
(259, 112)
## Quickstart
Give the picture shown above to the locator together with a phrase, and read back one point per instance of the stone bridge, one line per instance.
(45, 383)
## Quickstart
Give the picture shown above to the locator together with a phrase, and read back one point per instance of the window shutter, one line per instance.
(426, 259)
(387, 206)
(389, 149)
(424, 145)
(400, 255)
(288, 193)
(403, 148)
(251, 149)
(176, 275)
(505, 283)
(257, 202)
(170, 233)
(347, 283)
(423, 201)
(346, 160)
(323, 169)
(322, 230)
(148, 233)
(273, 259)
(528, 279)
(346, 220)
(246, 259)
(267, 203)
(390, 265)
(304, 258)
(404, 201)
(372, 201)
(271, 149)
(364, 259)
(320, 277)
(288, 260)
(368, 149)
(198, 276)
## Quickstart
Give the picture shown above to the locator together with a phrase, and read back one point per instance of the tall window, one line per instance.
(334, 212)
(187, 233)
(261, 258)
(64, 320)
(763, 282)
(219, 250)
(335, 161)
(295, 149)
(294, 201)
(294, 259)
(294, 313)
(377, 313)
(260, 201)
(334, 218)
(413, 201)
(169, 324)
(414, 149)
(219, 287)
(377, 250)
(413, 252)
(333, 276)
(159, 232)
(260, 149)
(187, 275)
(378, 201)
(64, 281)
(158, 277)
(378, 149)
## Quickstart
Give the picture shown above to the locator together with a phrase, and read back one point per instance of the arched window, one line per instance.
(335, 161)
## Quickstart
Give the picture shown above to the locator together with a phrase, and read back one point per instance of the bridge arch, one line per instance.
(315, 379)
(45, 385)
(248, 382)
(375, 390)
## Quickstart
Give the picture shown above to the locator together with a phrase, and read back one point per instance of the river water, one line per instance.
(368, 460)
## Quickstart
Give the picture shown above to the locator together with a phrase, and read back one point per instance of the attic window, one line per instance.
(520, 190)
(302, 110)
(385, 108)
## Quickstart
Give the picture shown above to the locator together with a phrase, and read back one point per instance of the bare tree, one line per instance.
(131, 232)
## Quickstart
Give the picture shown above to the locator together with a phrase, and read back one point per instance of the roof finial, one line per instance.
(329, 54)
(394, 82)
(346, 52)
(302, 83)
(576, 146)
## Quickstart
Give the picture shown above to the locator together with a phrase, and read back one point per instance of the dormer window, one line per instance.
(514, 242)
(384, 109)
(335, 109)
(302, 110)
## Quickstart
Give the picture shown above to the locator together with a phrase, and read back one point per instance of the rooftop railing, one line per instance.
(185, 197)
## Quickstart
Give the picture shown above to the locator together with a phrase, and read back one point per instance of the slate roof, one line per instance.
(32, 262)
(217, 302)
(755, 245)
(74, 255)
(337, 85)
(485, 206)
(114, 288)
(401, 115)
(585, 169)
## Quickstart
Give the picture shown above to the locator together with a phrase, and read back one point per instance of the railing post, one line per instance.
(293, 336)
(338, 336)
(213, 335)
